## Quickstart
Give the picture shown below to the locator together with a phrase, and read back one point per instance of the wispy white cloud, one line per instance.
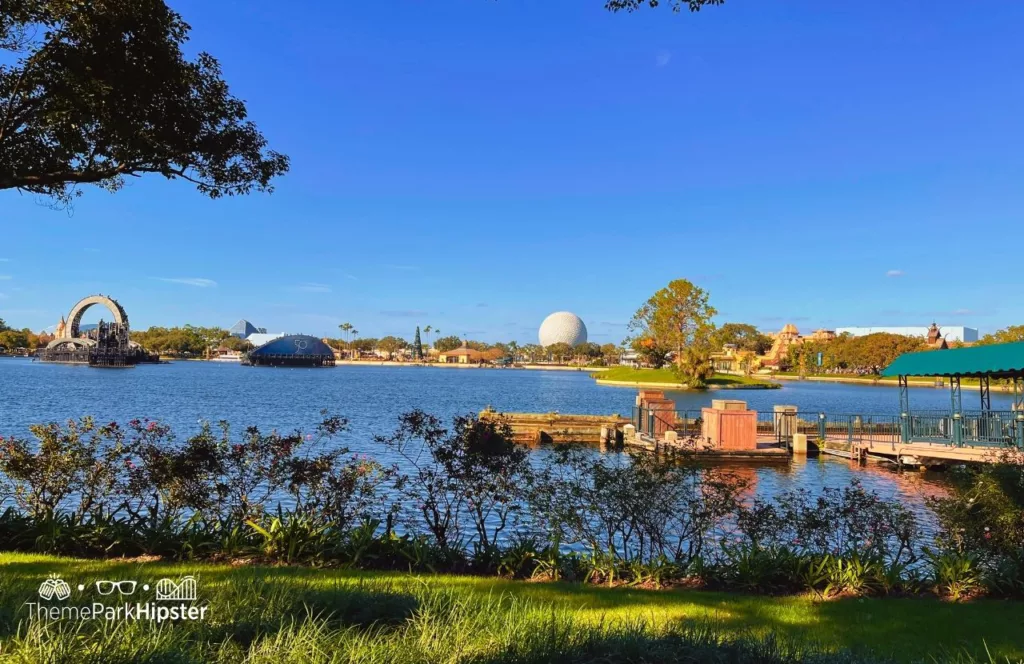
(894, 273)
(5, 277)
(663, 58)
(5, 260)
(198, 282)
(352, 277)
(310, 287)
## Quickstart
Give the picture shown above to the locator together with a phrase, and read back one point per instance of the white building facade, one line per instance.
(949, 332)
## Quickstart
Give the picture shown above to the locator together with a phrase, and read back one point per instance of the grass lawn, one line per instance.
(299, 614)
(629, 374)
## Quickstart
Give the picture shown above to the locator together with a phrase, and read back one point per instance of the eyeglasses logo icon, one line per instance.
(108, 587)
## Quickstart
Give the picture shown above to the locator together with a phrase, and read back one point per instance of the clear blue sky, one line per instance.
(477, 164)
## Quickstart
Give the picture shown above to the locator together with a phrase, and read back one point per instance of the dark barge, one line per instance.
(293, 350)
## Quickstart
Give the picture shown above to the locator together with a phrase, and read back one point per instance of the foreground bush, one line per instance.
(465, 499)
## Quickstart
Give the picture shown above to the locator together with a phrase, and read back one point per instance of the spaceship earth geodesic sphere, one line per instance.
(562, 327)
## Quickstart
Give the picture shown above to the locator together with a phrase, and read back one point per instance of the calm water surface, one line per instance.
(371, 397)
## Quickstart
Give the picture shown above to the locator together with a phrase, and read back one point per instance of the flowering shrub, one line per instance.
(982, 521)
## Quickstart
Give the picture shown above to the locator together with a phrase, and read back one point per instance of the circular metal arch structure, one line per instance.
(75, 317)
(70, 344)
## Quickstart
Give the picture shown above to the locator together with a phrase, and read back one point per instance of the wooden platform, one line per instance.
(927, 454)
(538, 428)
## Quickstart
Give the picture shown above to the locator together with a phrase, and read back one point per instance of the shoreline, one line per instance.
(886, 383)
(453, 365)
(682, 387)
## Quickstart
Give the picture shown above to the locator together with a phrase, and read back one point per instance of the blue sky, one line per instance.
(477, 164)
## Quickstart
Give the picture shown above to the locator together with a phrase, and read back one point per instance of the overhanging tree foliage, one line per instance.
(92, 91)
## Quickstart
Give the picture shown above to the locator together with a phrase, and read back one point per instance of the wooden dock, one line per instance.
(539, 428)
(919, 453)
(535, 429)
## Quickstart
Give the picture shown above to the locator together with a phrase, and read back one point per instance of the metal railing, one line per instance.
(966, 429)
(992, 428)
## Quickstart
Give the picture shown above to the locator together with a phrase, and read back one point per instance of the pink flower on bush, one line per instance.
(150, 426)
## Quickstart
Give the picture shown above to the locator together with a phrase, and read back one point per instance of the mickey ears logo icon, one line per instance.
(54, 588)
(183, 591)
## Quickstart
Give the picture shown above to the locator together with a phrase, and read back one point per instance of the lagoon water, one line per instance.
(183, 394)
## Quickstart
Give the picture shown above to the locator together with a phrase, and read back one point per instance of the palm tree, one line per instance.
(427, 330)
(345, 329)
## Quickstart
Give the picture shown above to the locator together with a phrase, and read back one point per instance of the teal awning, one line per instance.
(996, 360)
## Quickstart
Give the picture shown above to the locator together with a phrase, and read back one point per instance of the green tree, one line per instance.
(532, 352)
(650, 352)
(391, 345)
(93, 91)
(11, 339)
(676, 317)
(1003, 336)
(417, 346)
(586, 351)
(743, 336)
(866, 354)
(445, 344)
(234, 343)
(363, 345)
(3, 325)
(696, 368)
(558, 352)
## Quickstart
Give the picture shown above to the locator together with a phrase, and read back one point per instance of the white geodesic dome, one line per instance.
(562, 327)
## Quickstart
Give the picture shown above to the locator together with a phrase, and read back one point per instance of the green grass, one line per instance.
(300, 614)
(629, 374)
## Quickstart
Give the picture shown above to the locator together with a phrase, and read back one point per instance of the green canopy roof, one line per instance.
(996, 360)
